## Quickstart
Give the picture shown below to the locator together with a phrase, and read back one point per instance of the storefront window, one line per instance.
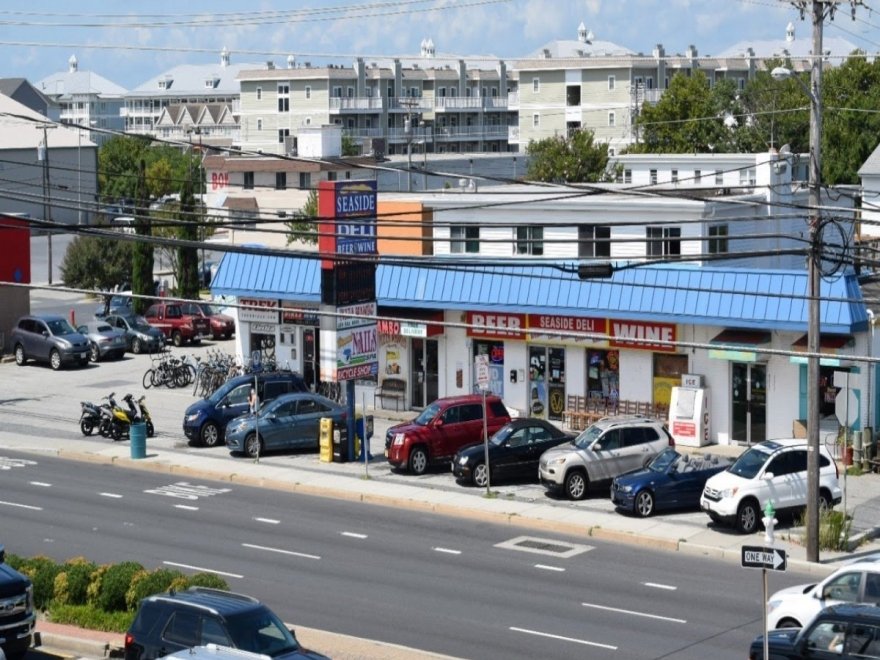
(495, 351)
(546, 382)
(603, 374)
(668, 370)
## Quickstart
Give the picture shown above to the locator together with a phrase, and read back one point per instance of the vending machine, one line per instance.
(689, 416)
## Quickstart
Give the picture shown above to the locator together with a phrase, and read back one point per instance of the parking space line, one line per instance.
(634, 613)
(573, 640)
(545, 567)
(447, 551)
(655, 585)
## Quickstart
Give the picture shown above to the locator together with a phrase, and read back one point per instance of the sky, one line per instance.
(38, 37)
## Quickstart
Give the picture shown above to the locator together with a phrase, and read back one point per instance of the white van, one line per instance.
(773, 471)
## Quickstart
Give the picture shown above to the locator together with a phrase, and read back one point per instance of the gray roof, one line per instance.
(67, 83)
(189, 80)
(793, 46)
(568, 48)
(872, 165)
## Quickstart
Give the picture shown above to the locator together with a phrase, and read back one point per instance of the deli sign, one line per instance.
(348, 219)
(643, 335)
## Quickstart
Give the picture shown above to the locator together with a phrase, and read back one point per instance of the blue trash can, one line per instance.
(138, 436)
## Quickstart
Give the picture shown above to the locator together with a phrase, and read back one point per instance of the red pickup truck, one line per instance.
(177, 326)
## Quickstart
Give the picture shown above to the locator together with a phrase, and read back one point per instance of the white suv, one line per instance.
(774, 471)
(606, 449)
(795, 607)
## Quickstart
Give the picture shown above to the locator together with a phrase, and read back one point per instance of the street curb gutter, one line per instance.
(67, 644)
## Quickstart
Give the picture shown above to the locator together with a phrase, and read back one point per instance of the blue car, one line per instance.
(670, 481)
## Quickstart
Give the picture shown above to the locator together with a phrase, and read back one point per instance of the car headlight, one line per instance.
(626, 489)
(30, 597)
(398, 439)
(463, 460)
(63, 343)
(193, 416)
(556, 461)
(729, 492)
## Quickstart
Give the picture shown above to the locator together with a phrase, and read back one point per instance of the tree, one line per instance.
(118, 161)
(142, 257)
(303, 226)
(350, 147)
(690, 117)
(577, 158)
(188, 257)
(96, 263)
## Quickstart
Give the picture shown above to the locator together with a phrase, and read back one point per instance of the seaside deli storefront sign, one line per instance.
(637, 335)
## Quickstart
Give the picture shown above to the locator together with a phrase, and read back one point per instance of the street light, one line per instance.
(813, 320)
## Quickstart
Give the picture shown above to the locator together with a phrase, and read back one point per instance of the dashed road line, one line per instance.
(41, 484)
(634, 613)
(655, 585)
(573, 640)
(203, 569)
(448, 551)
(115, 496)
(186, 507)
(280, 551)
(270, 521)
(354, 535)
(22, 506)
(545, 567)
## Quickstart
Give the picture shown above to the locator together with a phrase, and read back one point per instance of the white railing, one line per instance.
(369, 103)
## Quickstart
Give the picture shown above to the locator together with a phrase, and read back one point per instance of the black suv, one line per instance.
(839, 631)
(205, 421)
(174, 621)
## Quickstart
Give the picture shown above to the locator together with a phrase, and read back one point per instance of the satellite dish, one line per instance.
(785, 150)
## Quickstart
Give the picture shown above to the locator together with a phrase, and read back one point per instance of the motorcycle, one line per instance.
(90, 418)
(117, 419)
(140, 413)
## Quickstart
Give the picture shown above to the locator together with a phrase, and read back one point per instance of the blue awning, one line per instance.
(742, 298)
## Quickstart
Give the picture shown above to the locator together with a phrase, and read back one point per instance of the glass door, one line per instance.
(425, 372)
(748, 391)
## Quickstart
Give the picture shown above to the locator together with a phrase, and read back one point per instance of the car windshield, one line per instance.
(103, 328)
(750, 463)
(209, 310)
(664, 460)
(60, 327)
(140, 323)
(427, 415)
(260, 631)
(587, 437)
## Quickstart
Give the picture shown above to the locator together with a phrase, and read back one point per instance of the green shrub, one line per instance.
(114, 584)
(834, 530)
(86, 616)
(146, 583)
(15, 561)
(72, 583)
(93, 592)
(207, 580)
(42, 571)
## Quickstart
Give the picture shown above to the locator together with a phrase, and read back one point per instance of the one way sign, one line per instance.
(756, 556)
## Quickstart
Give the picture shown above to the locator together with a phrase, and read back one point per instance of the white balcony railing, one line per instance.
(363, 103)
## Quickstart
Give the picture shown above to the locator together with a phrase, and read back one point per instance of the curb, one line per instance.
(68, 644)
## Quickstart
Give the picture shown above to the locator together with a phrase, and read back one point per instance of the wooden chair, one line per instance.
(570, 411)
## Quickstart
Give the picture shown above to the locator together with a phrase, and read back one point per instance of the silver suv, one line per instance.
(48, 338)
(606, 449)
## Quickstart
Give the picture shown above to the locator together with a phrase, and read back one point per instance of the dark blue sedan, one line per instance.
(670, 481)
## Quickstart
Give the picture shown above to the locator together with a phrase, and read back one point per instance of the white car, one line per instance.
(772, 471)
(795, 607)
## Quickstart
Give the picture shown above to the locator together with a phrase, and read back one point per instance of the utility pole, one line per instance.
(819, 10)
(43, 155)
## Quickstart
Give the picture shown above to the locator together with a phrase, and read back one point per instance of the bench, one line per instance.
(390, 388)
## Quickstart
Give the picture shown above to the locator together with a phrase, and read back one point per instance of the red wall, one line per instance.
(15, 250)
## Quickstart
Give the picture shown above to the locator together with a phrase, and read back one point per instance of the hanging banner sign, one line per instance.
(642, 335)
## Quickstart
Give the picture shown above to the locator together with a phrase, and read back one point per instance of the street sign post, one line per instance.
(757, 556)
(482, 368)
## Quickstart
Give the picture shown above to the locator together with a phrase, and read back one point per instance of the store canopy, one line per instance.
(829, 345)
(739, 345)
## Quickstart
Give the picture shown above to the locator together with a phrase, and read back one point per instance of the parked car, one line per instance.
(170, 622)
(670, 481)
(602, 451)
(176, 325)
(514, 451)
(17, 616)
(121, 305)
(140, 336)
(48, 338)
(291, 421)
(771, 471)
(442, 429)
(839, 632)
(794, 607)
(105, 341)
(205, 421)
(222, 325)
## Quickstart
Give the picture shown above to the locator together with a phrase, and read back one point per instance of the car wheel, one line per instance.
(87, 427)
(94, 355)
(789, 623)
(210, 434)
(177, 339)
(747, 517)
(576, 485)
(55, 360)
(253, 447)
(418, 460)
(480, 475)
(20, 357)
(644, 505)
(136, 346)
(824, 502)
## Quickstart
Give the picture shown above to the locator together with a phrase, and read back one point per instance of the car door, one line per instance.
(507, 461)
(446, 434)
(279, 431)
(181, 631)
(234, 404)
(604, 463)
(309, 412)
(41, 338)
(470, 428)
(796, 479)
(636, 450)
(777, 488)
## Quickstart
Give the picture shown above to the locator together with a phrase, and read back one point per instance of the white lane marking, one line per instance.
(115, 496)
(544, 567)
(186, 507)
(22, 506)
(40, 483)
(202, 569)
(280, 551)
(447, 551)
(634, 613)
(655, 585)
(270, 521)
(564, 639)
(354, 535)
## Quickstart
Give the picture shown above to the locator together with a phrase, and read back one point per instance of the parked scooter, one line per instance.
(139, 412)
(90, 418)
(119, 420)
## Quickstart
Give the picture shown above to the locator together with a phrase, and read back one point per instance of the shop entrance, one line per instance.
(546, 382)
(310, 358)
(265, 344)
(425, 372)
(748, 402)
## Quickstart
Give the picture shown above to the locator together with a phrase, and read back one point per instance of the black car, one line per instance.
(514, 451)
(174, 621)
(140, 336)
(840, 631)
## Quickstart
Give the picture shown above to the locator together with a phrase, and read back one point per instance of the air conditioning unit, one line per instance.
(290, 146)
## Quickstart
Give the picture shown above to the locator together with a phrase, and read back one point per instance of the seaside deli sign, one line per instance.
(544, 327)
(347, 228)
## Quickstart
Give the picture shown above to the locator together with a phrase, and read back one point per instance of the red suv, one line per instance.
(441, 430)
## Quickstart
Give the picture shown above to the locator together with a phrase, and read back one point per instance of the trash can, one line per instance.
(363, 429)
(326, 440)
(138, 436)
(340, 444)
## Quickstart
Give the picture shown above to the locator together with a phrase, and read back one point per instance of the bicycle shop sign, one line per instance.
(258, 310)
(357, 353)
